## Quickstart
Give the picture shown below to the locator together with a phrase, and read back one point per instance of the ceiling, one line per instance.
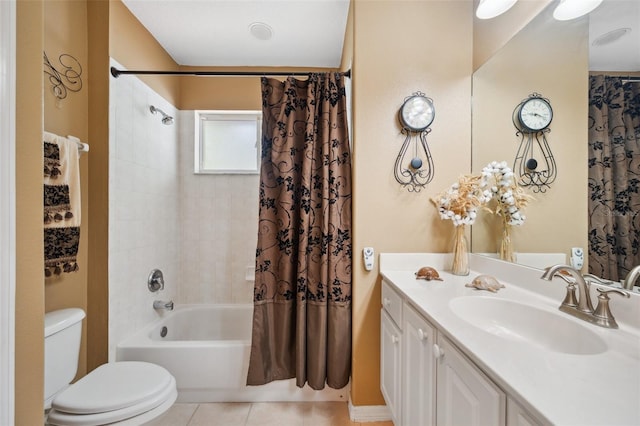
(622, 54)
(310, 33)
(305, 33)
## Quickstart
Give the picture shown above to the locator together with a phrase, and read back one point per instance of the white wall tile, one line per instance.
(200, 230)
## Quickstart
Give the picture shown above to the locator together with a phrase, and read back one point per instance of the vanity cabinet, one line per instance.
(418, 370)
(390, 374)
(391, 350)
(465, 396)
(425, 379)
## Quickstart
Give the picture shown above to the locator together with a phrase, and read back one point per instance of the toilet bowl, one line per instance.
(123, 393)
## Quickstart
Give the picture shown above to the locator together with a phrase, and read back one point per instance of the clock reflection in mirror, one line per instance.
(534, 164)
(414, 165)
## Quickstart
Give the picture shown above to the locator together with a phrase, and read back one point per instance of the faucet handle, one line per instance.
(605, 293)
(602, 313)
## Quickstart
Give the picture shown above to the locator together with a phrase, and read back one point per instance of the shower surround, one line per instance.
(200, 230)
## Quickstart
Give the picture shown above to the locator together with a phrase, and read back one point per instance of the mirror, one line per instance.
(551, 58)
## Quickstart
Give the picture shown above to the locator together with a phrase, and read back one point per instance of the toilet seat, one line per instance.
(114, 392)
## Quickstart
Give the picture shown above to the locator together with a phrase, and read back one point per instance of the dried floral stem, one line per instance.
(460, 263)
(506, 246)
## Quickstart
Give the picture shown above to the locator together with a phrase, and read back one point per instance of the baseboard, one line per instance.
(368, 413)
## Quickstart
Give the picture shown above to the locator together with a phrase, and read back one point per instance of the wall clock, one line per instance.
(534, 164)
(414, 164)
(535, 114)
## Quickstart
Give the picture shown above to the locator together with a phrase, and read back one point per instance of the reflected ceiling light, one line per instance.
(571, 9)
(610, 37)
(488, 9)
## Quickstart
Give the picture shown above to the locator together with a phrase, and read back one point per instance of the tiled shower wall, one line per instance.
(219, 229)
(144, 206)
(200, 230)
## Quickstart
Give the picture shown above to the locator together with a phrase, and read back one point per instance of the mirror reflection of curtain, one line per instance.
(302, 293)
(614, 176)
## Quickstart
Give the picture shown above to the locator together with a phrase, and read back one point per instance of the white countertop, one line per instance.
(565, 389)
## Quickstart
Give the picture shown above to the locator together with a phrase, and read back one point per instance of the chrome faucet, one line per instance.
(581, 306)
(159, 304)
(631, 279)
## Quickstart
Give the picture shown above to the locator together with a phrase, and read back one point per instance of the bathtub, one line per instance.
(206, 348)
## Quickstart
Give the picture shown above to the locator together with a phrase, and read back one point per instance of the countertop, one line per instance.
(564, 389)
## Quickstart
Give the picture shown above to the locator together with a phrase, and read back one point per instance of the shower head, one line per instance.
(166, 118)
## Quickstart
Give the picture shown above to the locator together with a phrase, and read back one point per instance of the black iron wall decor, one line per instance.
(66, 78)
(416, 115)
(534, 164)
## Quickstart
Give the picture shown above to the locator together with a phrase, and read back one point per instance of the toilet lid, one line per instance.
(114, 386)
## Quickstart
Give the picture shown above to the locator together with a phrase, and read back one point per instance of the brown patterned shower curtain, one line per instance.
(302, 293)
(614, 177)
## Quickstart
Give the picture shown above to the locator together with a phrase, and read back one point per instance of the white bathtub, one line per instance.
(206, 348)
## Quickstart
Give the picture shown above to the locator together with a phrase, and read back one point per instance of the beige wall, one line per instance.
(69, 116)
(29, 342)
(401, 48)
(135, 48)
(386, 69)
(555, 65)
(98, 21)
(489, 35)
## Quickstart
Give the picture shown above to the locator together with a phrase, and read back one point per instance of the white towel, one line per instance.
(69, 175)
(61, 204)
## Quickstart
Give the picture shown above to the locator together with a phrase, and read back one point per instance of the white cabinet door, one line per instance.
(419, 370)
(390, 371)
(465, 396)
(518, 416)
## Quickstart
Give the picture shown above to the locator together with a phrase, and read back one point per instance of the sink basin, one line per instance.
(523, 323)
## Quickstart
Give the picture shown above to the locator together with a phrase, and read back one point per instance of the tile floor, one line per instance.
(260, 414)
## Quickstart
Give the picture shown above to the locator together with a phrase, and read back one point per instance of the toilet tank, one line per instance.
(62, 335)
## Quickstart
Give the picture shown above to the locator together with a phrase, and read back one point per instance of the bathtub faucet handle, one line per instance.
(159, 304)
(155, 281)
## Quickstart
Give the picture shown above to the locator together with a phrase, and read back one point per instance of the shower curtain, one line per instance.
(302, 293)
(614, 176)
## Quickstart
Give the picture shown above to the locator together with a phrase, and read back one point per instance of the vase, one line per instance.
(460, 252)
(505, 252)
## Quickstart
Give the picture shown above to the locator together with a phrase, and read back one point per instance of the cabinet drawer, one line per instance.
(392, 303)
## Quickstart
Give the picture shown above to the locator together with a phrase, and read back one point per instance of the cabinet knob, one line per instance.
(386, 302)
(395, 339)
(437, 351)
(421, 334)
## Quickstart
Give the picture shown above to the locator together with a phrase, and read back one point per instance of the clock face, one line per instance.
(417, 113)
(535, 114)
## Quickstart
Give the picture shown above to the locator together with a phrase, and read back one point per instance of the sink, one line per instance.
(524, 323)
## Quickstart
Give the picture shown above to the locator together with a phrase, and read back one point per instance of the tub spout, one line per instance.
(159, 304)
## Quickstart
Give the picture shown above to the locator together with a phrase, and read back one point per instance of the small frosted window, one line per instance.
(228, 141)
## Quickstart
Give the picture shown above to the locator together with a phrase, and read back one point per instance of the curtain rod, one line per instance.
(117, 73)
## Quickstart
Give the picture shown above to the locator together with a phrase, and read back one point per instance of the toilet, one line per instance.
(123, 393)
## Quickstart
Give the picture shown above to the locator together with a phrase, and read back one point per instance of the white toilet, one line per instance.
(124, 393)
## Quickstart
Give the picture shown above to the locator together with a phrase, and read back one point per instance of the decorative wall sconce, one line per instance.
(65, 79)
(416, 115)
(534, 164)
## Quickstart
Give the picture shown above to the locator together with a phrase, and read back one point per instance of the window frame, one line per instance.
(202, 116)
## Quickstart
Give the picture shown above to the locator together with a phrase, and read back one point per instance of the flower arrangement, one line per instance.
(510, 201)
(510, 197)
(460, 204)
(461, 201)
